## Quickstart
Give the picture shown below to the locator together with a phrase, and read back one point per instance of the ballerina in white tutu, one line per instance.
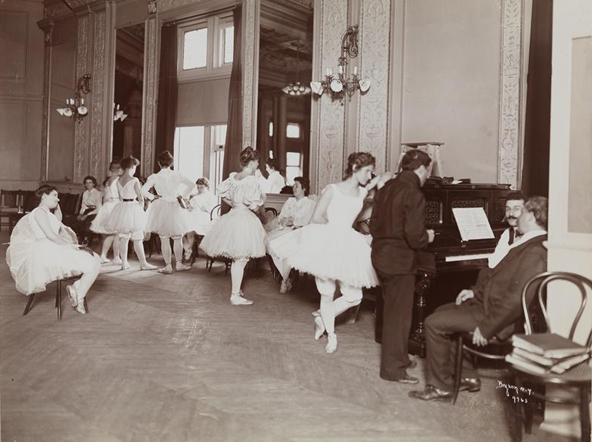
(239, 235)
(42, 250)
(165, 215)
(128, 218)
(99, 224)
(200, 208)
(331, 250)
(296, 212)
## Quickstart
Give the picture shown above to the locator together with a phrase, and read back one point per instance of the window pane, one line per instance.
(195, 49)
(293, 159)
(291, 173)
(293, 130)
(228, 44)
(189, 151)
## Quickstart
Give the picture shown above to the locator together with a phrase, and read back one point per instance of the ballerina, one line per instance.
(110, 200)
(296, 212)
(331, 250)
(42, 250)
(200, 208)
(238, 234)
(165, 215)
(128, 218)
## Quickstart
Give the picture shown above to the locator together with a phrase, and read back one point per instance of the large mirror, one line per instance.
(284, 98)
(127, 102)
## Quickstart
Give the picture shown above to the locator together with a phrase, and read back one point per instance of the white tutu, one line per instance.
(35, 261)
(201, 222)
(127, 217)
(237, 234)
(327, 251)
(168, 218)
(99, 224)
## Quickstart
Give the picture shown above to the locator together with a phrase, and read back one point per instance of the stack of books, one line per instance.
(544, 353)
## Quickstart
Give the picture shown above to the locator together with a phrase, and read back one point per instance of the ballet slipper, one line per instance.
(147, 266)
(182, 267)
(125, 266)
(319, 327)
(166, 270)
(331, 346)
(72, 295)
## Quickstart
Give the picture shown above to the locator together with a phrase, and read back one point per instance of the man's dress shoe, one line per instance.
(408, 380)
(470, 384)
(431, 393)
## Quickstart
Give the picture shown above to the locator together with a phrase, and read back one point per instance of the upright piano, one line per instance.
(449, 265)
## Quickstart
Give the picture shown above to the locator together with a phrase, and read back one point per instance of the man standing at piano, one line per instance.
(490, 310)
(398, 233)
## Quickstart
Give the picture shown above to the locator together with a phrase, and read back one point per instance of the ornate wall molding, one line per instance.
(97, 135)
(81, 129)
(374, 64)
(510, 127)
(331, 114)
(249, 42)
(149, 105)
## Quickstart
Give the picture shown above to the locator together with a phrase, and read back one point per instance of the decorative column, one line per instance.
(327, 148)
(81, 130)
(250, 41)
(372, 110)
(149, 105)
(47, 27)
(280, 131)
(510, 127)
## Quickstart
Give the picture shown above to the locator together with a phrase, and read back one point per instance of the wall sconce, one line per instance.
(118, 114)
(338, 85)
(75, 107)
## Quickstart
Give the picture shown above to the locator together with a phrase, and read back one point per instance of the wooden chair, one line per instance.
(58, 298)
(578, 377)
(215, 214)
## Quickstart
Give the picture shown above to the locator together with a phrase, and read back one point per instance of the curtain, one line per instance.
(234, 128)
(166, 114)
(535, 170)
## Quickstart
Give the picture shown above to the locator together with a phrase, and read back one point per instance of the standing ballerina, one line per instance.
(239, 235)
(165, 215)
(331, 250)
(128, 218)
(110, 200)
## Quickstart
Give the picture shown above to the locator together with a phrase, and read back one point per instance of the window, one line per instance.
(217, 148)
(189, 151)
(206, 48)
(195, 49)
(293, 166)
(293, 130)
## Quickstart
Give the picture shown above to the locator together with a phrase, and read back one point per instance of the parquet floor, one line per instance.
(168, 359)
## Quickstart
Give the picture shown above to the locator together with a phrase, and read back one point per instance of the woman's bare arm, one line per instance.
(42, 219)
(319, 215)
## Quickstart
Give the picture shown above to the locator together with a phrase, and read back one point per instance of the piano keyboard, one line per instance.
(457, 258)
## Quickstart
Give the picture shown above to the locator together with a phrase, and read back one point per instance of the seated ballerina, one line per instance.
(200, 205)
(296, 212)
(42, 250)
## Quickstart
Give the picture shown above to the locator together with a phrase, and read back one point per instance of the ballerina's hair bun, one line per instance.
(357, 160)
(165, 159)
(129, 162)
(247, 155)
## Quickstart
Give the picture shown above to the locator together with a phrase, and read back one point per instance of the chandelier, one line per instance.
(75, 107)
(118, 114)
(339, 84)
(295, 87)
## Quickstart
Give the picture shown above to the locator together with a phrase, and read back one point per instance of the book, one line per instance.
(472, 223)
(565, 365)
(549, 345)
(521, 362)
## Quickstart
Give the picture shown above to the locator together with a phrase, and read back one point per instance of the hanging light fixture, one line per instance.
(75, 107)
(118, 114)
(295, 87)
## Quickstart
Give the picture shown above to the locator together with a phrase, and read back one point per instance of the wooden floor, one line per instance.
(168, 359)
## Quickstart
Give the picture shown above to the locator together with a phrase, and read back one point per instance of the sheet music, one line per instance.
(472, 223)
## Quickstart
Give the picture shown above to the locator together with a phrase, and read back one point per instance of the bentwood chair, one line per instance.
(578, 377)
(58, 298)
(215, 213)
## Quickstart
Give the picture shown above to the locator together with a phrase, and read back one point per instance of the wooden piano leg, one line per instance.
(417, 343)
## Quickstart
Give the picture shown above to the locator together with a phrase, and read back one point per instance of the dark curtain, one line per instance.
(535, 170)
(166, 114)
(234, 128)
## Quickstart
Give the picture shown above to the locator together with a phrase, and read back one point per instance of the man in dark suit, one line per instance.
(491, 311)
(398, 232)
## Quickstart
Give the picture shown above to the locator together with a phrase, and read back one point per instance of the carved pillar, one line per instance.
(47, 27)
(281, 131)
(149, 105)
(97, 131)
(250, 41)
(510, 128)
(81, 130)
(327, 149)
(374, 64)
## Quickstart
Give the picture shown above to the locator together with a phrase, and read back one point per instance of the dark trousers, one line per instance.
(441, 326)
(397, 293)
